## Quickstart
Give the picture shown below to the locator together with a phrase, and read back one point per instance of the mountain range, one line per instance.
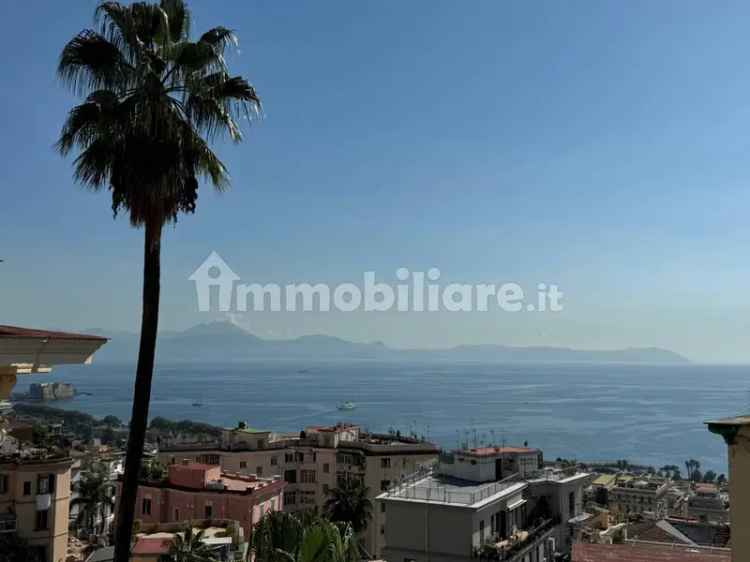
(224, 341)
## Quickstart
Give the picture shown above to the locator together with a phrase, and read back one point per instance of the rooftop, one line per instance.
(440, 489)
(492, 451)
(16, 332)
(647, 552)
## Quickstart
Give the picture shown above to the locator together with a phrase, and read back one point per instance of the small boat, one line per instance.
(197, 404)
(346, 406)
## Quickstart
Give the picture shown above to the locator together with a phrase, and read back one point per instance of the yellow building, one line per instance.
(34, 486)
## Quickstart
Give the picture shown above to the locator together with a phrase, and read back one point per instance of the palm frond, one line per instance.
(179, 19)
(220, 38)
(91, 62)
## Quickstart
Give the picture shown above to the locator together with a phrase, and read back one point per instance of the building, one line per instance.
(197, 491)
(706, 504)
(35, 484)
(736, 434)
(493, 463)
(680, 531)
(225, 538)
(51, 391)
(312, 462)
(635, 495)
(647, 552)
(437, 517)
(559, 494)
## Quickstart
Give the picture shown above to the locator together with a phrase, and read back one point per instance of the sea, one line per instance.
(647, 414)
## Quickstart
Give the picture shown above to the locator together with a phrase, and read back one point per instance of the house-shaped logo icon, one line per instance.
(214, 272)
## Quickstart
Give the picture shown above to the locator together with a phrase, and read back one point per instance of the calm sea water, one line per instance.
(648, 414)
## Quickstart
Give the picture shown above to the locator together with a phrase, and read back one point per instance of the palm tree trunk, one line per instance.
(142, 391)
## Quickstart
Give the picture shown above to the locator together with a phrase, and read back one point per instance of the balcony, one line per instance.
(8, 523)
(515, 548)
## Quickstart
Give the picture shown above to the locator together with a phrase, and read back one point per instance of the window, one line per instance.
(146, 506)
(259, 471)
(307, 476)
(176, 514)
(288, 457)
(382, 507)
(208, 511)
(3, 483)
(243, 464)
(210, 459)
(42, 520)
(27, 488)
(274, 460)
(326, 468)
(326, 489)
(382, 529)
(481, 532)
(572, 504)
(385, 462)
(45, 484)
(341, 479)
(384, 485)
(290, 476)
(307, 497)
(299, 457)
(290, 498)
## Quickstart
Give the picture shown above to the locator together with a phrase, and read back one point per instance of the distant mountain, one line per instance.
(224, 341)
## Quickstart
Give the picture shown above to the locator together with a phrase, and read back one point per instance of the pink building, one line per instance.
(198, 491)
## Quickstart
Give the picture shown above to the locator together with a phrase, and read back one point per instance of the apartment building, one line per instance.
(197, 491)
(35, 500)
(437, 517)
(314, 461)
(637, 495)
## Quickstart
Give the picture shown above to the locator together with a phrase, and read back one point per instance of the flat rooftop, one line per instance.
(441, 489)
(492, 451)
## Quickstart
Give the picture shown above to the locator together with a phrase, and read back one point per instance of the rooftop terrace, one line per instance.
(430, 487)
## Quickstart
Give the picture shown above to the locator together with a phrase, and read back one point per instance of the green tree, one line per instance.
(350, 504)
(709, 476)
(151, 95)
(188, 546)
(111, 421)
(284, 537)
(95, 498)
(721, 479)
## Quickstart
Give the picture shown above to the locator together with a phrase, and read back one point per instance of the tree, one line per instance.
(151, 95)
(709, 476)
(692, 466)
(350, 504)
(111, 421)
(285, 537)
(188, 546)
(721, 479)
(95, 497)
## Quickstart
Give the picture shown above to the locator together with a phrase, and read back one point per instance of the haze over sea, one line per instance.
(644, 413)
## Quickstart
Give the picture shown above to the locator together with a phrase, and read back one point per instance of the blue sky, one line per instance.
(602, 146)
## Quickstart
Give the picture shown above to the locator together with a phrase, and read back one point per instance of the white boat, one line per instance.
(346, 406)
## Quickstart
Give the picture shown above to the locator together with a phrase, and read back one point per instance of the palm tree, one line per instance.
(284, 537)
(188, 546)
(151, 95)
(95, 495)
(350, 504)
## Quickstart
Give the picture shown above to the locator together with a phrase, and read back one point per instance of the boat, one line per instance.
(346, 406)
(197, 404)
